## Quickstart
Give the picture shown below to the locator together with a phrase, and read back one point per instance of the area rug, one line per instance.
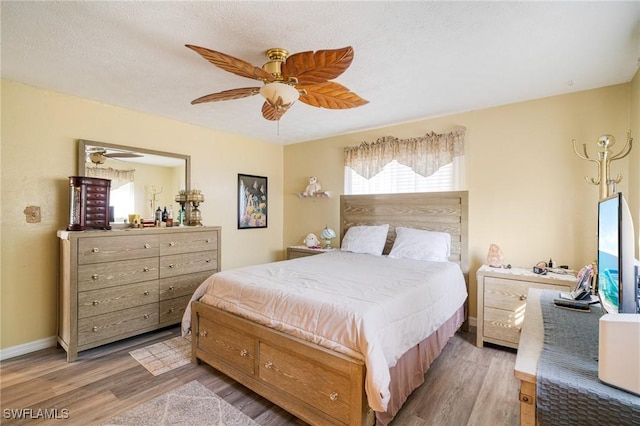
(164, 356)
(191, 404)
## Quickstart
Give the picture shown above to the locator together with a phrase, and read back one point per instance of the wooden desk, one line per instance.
(531, 341)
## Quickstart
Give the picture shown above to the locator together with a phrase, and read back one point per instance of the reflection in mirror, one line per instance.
(141, 180)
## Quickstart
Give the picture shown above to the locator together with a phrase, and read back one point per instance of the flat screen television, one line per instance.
(617, 267)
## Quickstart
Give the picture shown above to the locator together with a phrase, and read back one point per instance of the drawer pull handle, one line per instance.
(171, 265)
(146, 316)
(208, 260)
(95, 303)
(268, 365)
(244, 352)
(204, 333)
(95, 249)
(147, 245)
(94, 276)
(146, 269)
(171, 310)
(523, 297)
(146, 292)
(208, 240)
(333, 396)
(95, 329)
(171, 288)
(172, 244)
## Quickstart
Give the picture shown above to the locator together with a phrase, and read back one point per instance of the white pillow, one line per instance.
(365, 239)
(421, 245)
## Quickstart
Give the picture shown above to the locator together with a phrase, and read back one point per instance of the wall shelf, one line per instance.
(319, 194)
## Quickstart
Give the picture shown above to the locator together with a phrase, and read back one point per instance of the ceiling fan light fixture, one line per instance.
(279, 95)
(97, 158)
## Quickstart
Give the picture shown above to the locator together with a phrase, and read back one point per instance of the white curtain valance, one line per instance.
(117, 177)
(424, 155)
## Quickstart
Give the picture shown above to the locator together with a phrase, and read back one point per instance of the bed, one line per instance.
(326, 359)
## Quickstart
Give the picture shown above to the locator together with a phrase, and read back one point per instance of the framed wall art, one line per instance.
(252, 201)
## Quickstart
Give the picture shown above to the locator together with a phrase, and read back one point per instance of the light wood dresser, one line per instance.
(120, 283)
(502, 300)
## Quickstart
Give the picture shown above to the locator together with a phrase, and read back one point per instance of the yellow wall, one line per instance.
(526, 186)
(634, 158)
(527, 191)
(39, 150)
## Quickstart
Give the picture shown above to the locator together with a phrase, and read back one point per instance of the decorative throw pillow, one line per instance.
(418, 244)
(365, 239)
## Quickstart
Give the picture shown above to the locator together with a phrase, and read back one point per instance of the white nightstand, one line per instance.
(502, 299)
(302, 251)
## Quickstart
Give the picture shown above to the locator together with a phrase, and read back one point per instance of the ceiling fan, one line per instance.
(303, 76)
(99, 155)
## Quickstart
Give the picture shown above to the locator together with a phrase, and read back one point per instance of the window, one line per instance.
(434, 162)
(122, 199)
(396, 177)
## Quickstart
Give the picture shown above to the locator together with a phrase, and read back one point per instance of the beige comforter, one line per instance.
(369, 307)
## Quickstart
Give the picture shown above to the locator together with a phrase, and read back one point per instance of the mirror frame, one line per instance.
(82, 170)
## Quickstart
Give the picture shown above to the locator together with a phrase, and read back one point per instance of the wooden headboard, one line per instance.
(432, 211)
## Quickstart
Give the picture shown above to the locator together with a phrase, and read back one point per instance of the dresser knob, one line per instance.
(204, 333)
(95, 249)
(95, 303)
(146, 292)
(333, 396)
(208, 260)
(208, 240)
(171, 265)
(95, 328)
(172, 244)
(244, 352)
(171, 310)
(268, 364)
(94, 276)
(145, 269)
(147, 245)
(523, 297)
(171, 288)
(146, 316)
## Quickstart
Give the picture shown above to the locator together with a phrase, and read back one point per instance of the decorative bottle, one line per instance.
(158, 216)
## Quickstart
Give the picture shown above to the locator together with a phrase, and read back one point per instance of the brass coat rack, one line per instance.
(605, 157)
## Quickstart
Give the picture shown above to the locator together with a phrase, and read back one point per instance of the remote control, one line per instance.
(573, 304)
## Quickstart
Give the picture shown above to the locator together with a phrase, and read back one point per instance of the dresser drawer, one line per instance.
(183, 285)
(511, 294)
(109, 249)
(107, 326)
(228, 344)
(102, 275)
(302, 378)
(503, 325)
(179, 264)
(171, 310)
(112, 299)
(188, 242)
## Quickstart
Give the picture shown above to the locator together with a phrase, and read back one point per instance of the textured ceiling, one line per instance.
(413, 60)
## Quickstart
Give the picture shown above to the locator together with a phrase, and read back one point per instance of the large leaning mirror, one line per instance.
(141, 179)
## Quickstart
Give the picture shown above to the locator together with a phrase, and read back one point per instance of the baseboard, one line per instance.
(26, 348)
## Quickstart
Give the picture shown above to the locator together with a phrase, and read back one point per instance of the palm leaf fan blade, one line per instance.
(231, 64)
(315, 68)
(227, 95)
(331, 95)
(272, 114)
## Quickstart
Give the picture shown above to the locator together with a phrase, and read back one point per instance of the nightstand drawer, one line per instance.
(511, 294)
(503, 325)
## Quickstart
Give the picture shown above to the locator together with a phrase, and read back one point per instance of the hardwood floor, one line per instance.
(465, 386)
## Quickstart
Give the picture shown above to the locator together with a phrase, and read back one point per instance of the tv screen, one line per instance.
(617, 276)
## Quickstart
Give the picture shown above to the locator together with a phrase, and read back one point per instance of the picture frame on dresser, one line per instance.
(253, 201)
